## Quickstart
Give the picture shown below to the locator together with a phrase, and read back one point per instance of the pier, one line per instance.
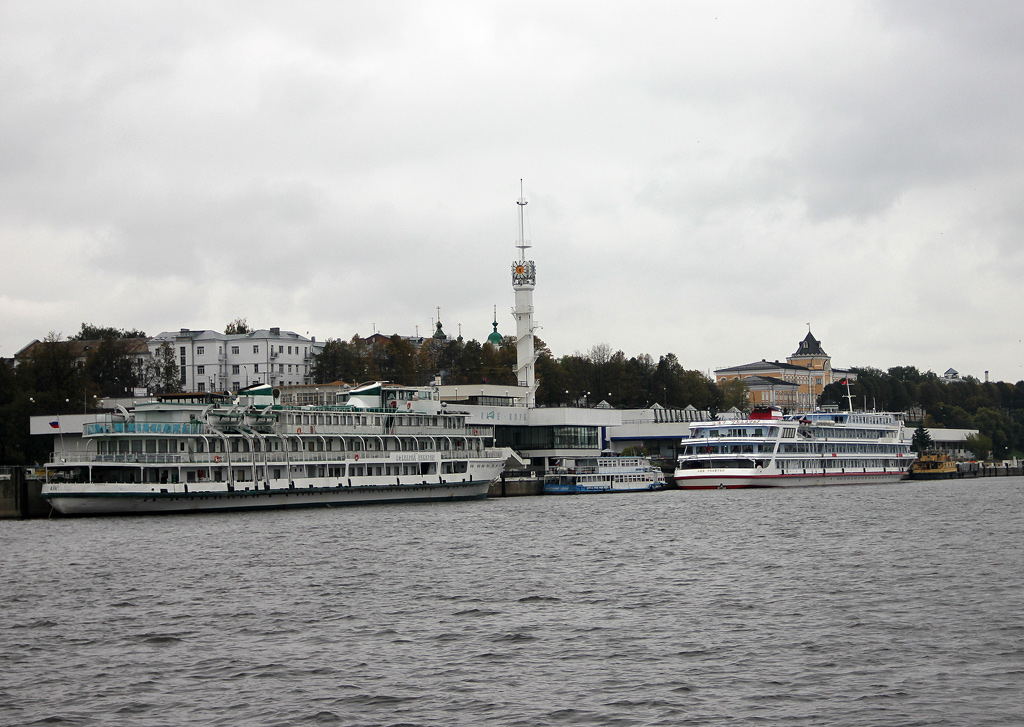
(995, 469)
(20, 494)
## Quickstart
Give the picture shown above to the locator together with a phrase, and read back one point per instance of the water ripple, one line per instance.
(841, 607)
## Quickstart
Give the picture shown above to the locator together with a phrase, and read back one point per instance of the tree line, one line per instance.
(55, 380)
(995, 409)
(58, 376)
(577, 380)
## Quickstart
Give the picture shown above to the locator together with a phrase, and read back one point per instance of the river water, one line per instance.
(874, 605)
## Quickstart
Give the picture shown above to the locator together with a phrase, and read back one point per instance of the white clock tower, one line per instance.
(524, 279)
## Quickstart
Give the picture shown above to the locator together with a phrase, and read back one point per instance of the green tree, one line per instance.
(239, 325)
(997, 427)
(90, 332)
(735, 393)
(111, 369)
(164, 373)
(340, 361)
(922, 440)
(979, 444)
(53, 375)
(403, 361)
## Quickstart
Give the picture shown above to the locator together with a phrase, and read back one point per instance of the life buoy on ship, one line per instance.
(357, 458)
(474, 432)
(408, 405)
(300, 430)
(216, 458)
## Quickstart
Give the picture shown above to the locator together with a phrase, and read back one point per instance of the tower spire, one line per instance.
(522, 242)
(524, 278)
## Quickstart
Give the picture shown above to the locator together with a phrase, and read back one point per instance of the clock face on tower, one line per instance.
(523, 273)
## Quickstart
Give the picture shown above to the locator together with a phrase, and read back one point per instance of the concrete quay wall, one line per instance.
(21, 497)
(976, 469)
(516, 486)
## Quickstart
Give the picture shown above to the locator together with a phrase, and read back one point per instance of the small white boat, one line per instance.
(604, 474)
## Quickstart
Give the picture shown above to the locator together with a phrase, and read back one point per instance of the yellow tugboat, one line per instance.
(933, 466)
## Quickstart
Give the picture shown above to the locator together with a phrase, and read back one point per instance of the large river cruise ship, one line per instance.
(375, 443)
(771, 450)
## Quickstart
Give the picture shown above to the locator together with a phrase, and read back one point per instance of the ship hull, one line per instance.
(562, 489)
(934, 475)
(82, 502)
(712, 480)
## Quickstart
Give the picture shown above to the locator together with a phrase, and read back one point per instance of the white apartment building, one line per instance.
(213, 361)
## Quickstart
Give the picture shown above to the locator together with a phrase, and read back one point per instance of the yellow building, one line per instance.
(794, 385)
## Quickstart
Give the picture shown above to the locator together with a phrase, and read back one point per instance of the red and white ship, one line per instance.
(771, 450)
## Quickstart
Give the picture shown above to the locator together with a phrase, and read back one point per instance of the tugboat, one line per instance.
(934, 466)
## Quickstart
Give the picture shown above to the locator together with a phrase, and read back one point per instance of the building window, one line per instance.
(255, 368)
(280, 368)
(234, 350)
(234, 386)
(200, 370)
(289, 368)
(289, 349)
(200, 386)
(183, 352)
(255, 349)
(280, 349)
(234, 369)
(200, 350)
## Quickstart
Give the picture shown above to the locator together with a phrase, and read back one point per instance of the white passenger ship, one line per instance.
(604, 474)
(377, 443)
(772, 450)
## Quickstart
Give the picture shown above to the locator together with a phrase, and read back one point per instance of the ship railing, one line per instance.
(94, 428)
(380, 429)
(135, 458)
(241, 458)
(459, 453)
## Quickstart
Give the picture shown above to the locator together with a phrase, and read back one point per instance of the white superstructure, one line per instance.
(603, 474)
(769, 450)
(188, 452)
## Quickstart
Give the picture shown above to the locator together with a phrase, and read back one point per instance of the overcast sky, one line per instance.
(703, 178)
